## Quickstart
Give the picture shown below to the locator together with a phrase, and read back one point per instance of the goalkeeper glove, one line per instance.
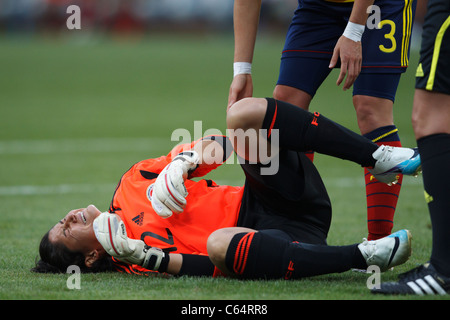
(110, 231)
(169, 192)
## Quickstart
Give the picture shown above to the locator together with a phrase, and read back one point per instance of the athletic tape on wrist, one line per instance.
(354, 31)
(242, 68)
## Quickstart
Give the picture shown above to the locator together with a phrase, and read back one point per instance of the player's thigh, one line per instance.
(312, 35)
(299, 79)
(247, 113)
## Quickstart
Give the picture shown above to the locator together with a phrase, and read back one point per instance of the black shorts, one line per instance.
(433, 72)
(293, 200)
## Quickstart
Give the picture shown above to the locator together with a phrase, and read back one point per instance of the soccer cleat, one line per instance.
(423, 280)
(392, 161)
(387, 252)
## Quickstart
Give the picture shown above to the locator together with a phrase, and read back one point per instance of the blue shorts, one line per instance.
(318, 24)
(380, 85)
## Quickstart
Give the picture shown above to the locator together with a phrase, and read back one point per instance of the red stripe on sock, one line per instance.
(381, 202)
(240, 257)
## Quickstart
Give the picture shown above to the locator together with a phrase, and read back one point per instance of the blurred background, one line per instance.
(140, 16)
(137, 16)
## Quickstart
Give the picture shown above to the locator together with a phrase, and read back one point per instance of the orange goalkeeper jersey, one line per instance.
(209, 207)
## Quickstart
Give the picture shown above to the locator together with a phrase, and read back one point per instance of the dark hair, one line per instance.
(56, 258)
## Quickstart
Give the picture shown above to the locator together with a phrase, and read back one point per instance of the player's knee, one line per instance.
(246, 114)
(372, 112)
(365, 113)
(422, 128)
(416, 122)
(419, 117)
(217, 246)
(293, 96)
(279, 93)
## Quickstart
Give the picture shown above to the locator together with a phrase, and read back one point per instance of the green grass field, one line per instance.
(76, 113)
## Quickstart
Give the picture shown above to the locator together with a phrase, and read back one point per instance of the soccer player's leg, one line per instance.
(307, 52)
(290, 127)
(374, 94)
(373, 100)
(431, 123)
(272, 254)
(434, 144)
(385, 57)
(299, 87)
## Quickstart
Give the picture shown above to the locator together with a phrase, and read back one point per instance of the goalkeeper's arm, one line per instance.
(169, 191)
(111, 233)
(212, 151)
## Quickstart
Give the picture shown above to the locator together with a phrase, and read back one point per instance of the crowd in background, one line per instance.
(34, 16)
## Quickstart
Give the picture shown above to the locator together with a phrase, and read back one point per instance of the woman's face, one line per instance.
(76, 232)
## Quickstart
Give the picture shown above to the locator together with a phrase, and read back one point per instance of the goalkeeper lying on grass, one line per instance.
(273, 227)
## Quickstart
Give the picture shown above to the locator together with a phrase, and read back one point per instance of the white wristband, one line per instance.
(242, 68)
(354, 31)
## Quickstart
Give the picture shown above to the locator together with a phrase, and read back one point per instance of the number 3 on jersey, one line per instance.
(389, 35)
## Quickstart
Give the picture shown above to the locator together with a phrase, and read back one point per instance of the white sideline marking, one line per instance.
(29, 190)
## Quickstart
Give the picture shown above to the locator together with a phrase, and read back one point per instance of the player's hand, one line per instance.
(110, 231)
(241, 87)
(169, 192)
(350, 53)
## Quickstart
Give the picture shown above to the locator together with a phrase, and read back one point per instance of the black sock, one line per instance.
(301, 130)
(256, 255)
(435, 157)
(196, 265)
(192, 265)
